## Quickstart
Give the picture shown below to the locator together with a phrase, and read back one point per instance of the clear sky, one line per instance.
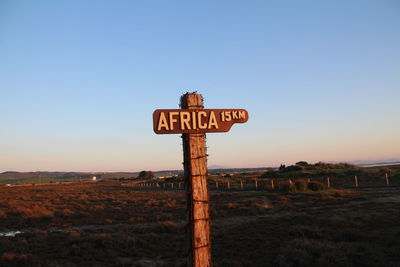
(79, 81)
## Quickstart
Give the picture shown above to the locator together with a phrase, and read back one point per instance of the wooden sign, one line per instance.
(174, 121)
(193, 121)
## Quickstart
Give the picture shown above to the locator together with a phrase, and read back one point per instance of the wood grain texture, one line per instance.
(195, 172)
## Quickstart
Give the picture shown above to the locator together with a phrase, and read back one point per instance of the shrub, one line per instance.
(9, 256)
(317, 186)
(286, 188)
(302, 163)
(66, 212)
(74, 234)
(167, 227)
(136, 219)
(231, 205)
(301, 185)
(2, 213)
(146, 175)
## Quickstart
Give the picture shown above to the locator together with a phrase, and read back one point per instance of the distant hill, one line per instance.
(12, 177)
(212, 167)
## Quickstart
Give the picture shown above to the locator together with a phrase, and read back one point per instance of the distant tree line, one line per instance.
(146, 175)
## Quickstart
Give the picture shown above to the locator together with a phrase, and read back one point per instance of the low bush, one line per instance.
(301, 185)
(166, 227)
(317, 186)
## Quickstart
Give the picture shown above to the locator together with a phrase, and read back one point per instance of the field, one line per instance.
(106, 224)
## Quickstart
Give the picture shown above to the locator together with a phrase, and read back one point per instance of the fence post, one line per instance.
(387, 179)
(195, 173)
(241, 184)
(216, 185)
(256, 184)
(229, 185)
(328, 182)
(356, 180)
(272, 184)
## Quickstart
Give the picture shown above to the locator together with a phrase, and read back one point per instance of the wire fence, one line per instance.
(268, 184)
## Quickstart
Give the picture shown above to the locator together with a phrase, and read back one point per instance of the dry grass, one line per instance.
(109, 225)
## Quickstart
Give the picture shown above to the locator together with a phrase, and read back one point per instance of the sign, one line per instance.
(193, 123)
(174, 121)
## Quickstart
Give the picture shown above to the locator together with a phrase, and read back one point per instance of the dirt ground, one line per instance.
(105, 224)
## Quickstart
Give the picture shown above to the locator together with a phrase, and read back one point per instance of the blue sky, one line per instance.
(79, 81)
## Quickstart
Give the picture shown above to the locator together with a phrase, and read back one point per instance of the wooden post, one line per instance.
(241, 185)
(272, 184)
(195, 174)
(387, 179)
(356, 180)
(216, 185)
(179, 185)
(229, 185)
(256, 184)
(328, 182)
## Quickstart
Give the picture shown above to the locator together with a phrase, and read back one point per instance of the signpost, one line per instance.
(173, 121)
(193, 122)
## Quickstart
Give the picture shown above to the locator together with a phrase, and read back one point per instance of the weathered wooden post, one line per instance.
(328, 182)
(272, 184)
(229, 185)
(356, 180)
(256, 184)
(198, 202)
(193, 121)
(241, 185)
